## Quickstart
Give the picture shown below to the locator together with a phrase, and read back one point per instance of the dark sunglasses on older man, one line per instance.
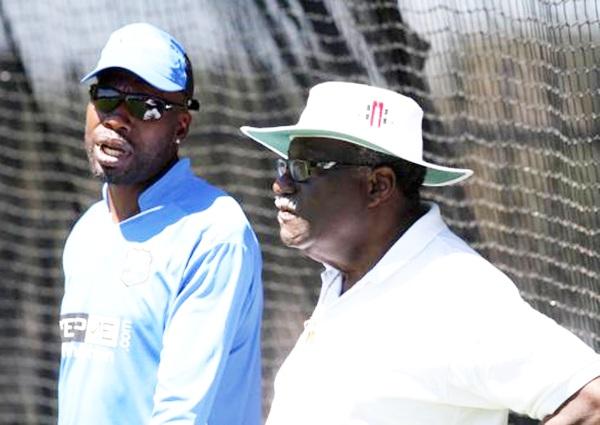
(142, 106)
(301, 169)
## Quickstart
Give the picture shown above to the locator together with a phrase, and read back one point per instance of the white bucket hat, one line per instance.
(372, 117)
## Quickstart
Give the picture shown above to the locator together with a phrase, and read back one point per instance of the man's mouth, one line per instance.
(287, 208)
(285, 204)
(111, 151)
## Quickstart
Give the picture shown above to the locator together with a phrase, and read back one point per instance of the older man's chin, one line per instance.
(294, 239)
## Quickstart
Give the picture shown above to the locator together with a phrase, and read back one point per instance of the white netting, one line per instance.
(511, 89)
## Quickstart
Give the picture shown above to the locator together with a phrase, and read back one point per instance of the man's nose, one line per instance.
(284, 184)
(119, 119)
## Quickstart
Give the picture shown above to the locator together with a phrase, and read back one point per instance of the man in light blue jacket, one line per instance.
(160, 321)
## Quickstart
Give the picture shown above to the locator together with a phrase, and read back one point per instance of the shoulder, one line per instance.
(88, 227)
(87, 223)
(195, 193)
(464, 281)
(213, 213)
(451, 256)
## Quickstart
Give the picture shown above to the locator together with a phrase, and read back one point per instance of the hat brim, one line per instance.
(278, 140)
(154, 79)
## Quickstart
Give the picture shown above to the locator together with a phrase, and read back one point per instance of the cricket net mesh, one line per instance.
(511, 89)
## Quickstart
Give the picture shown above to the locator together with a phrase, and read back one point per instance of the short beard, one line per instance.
(132, 176)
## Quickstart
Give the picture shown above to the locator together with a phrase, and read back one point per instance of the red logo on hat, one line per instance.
(376, 113)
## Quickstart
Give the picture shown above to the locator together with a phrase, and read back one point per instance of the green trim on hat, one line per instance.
(435, 177)
(278, 140)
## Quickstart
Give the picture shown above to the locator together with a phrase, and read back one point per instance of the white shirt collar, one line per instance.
(410, 244)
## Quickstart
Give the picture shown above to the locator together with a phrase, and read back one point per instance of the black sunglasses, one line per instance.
(301, 169)
(142, 106)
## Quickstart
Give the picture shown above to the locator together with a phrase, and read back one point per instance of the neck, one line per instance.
(356, 260)
(123, 200)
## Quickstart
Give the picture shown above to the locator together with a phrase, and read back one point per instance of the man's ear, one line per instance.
(382, 185)
(184, 119)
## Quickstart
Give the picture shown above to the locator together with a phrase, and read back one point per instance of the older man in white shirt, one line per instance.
(412, 326)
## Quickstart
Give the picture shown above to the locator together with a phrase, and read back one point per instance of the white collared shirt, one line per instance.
(433, 334)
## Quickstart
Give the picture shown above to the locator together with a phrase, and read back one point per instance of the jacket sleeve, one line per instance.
(220, 294)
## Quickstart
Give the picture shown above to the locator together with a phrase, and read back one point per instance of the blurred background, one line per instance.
(511, 89)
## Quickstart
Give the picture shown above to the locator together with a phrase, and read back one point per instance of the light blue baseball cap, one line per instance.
(150, 53)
